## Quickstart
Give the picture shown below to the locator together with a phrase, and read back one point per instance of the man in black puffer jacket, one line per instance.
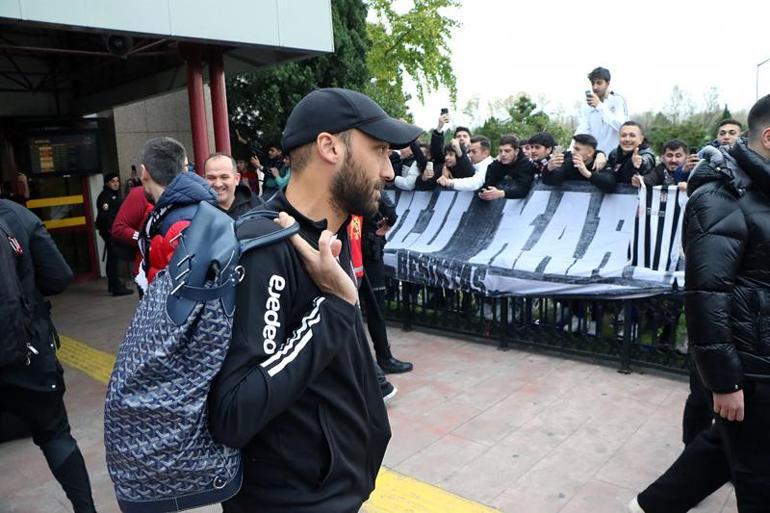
(727, 275)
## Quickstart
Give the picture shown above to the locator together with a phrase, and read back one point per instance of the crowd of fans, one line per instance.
(607, 149)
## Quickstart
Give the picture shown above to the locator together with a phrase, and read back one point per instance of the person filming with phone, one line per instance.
(604, 112)
(511, 174)
(578, 165)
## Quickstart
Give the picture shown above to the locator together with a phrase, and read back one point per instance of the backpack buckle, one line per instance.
(240, 273)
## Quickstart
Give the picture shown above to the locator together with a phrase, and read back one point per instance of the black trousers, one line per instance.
(113, 282)
(373, 303)
(737, 451)
(46, 417)
(698, 411)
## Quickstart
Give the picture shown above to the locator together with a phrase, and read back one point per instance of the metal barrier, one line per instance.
(648, 332)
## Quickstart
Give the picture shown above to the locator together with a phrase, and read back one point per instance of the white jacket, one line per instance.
(408, 180)
(604, 121)
(475, 182)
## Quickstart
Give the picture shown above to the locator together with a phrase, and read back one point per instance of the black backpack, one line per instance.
(15, 303)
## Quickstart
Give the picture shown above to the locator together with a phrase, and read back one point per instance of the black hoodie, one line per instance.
(244, 201)
(726, 238)
(515, 179)
(604, 180)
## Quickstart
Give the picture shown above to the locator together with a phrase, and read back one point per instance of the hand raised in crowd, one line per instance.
(600, 160)
(456, 146)
(428, 174)
(636, 159)
(682, 186)
(691, 162)
(593, 100)
(490, 193)
(556, 162)
(382, 227)
(322, 264)
(729, 406)
(445, 181)
(636, 180)
(274, 171)
(442, 120)
(241, 139)
(577, 160)
(255, 161)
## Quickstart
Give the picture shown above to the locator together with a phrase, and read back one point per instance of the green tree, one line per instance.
(524, 119)
(414, 44)
(680, 120)
(260, 102)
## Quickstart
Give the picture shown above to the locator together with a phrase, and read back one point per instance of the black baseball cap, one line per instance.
(335, 110)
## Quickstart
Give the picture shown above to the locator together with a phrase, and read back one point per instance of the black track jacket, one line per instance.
(298, 390)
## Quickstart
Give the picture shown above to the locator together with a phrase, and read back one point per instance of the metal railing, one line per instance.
(648, 332)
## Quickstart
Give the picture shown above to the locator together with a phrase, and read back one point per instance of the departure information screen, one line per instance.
(64, 153)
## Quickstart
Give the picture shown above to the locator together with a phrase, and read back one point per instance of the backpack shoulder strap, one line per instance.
(257, 229)
(202, 267)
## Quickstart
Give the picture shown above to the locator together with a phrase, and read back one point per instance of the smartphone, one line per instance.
(557, 150)
(589, 93)
(444, 111)
(693, 150)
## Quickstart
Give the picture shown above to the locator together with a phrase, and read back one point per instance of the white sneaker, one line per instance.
(389, 393)
(634, 507)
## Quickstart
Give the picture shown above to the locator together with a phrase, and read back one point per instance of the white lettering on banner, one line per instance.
(272, 307)
(516, 227)
(559, 240)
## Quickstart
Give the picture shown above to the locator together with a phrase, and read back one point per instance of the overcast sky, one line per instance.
(546, 48)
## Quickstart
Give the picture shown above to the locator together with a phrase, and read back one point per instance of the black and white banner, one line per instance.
(571, 240)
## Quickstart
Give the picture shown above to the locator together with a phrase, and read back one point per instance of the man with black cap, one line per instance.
(107, 205)
(298, 390)
(605, 111)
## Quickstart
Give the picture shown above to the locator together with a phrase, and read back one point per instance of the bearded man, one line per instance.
(298, 391)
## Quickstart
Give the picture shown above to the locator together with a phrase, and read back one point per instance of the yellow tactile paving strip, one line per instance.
(93, 362)
(395, 493)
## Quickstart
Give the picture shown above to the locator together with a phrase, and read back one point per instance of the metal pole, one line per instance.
(219, 101)
(197, 107)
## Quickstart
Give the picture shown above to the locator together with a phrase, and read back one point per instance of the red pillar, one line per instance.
(197, 106)
(219, 100)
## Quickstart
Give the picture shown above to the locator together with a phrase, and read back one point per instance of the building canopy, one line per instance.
(85, 56)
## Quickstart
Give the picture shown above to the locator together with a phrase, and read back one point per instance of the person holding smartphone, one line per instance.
(511, 175)
(603, 113)
(674, 169)
(578, 165)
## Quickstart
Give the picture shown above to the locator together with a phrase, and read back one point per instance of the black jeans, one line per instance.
(737, 451)
(46, 417)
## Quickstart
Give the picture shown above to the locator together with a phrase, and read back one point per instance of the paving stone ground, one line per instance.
(517, 431)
